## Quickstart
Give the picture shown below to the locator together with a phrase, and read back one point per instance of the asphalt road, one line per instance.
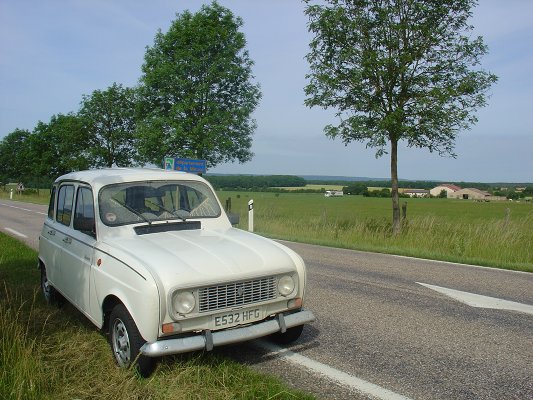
(380, 331)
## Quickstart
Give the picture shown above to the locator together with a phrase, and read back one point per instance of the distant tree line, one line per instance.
(490, 187)
(194, 100)
(407, 184)
(256, 182)
(362, 189)
(512, 194)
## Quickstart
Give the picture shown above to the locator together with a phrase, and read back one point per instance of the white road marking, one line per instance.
(341, 377)
(23, 209)
(16, 233)
(476, 300)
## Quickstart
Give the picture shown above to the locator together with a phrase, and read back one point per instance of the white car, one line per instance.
(150, 257)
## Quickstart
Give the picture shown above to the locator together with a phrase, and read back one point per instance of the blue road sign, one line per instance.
(185, 165)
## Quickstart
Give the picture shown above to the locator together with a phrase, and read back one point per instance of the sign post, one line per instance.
(251, 216)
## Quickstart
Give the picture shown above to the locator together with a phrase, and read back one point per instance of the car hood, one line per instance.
(203, 257)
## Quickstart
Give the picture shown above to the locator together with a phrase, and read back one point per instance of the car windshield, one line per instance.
(149, 201)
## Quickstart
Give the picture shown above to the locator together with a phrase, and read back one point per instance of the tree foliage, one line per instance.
(396, 70)
(197, 90)
(109, 123)
(50, 150)
(59, 147)
(15, 161)
(355, 188)
(255, 181)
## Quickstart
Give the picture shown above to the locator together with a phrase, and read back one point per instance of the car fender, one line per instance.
(136, 290)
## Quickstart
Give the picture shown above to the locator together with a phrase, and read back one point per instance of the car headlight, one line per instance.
(286, 285)
(184, 302)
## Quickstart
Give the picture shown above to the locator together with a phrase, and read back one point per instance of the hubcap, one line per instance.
(121, 343)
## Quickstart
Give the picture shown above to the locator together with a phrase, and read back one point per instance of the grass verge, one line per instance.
(46, 353)
(36, 196)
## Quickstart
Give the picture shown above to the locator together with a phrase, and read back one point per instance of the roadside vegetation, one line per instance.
(495, 234)
(46, 353)
(36, 196)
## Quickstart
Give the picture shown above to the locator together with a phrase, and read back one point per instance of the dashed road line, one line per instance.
(16, 233)
(350, 381)
(477, 300)
(23, 209)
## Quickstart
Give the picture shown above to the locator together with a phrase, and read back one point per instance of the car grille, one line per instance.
(237, 294)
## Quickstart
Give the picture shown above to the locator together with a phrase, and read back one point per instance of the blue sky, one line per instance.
(52, 52)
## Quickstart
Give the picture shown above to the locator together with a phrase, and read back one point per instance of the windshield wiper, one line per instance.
(137, 213)
(167, 210)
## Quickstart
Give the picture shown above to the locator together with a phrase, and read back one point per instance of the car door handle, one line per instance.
(51, 232)
(67, 240)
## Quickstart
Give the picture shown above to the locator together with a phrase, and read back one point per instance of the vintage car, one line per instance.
(151, 258)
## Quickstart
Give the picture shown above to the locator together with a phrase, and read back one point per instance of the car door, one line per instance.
(61, 233)
(49, 243)
(78, 251)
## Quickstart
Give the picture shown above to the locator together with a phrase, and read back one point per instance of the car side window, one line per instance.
(65, 198)
(51, 206)
(84, 215)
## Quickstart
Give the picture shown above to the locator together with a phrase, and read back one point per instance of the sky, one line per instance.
(53, 52)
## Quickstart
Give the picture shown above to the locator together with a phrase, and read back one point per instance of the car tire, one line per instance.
(291, 335)
(126, 342)
(50, 294)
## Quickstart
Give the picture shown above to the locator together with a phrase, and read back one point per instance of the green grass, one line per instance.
(42, 196)
(496, 234)
(49, 353)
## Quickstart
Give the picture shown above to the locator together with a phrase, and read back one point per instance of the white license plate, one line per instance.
(240, 317)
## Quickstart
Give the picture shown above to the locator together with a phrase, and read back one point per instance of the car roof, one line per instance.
(108, 176)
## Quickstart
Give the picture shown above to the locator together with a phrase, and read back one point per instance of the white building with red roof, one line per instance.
(449, 188)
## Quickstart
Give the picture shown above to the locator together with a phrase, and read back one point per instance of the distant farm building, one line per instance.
(472, 194)
(416, 192)
(447, 187)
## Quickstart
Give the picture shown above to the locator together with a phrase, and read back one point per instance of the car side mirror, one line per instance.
(234, 219)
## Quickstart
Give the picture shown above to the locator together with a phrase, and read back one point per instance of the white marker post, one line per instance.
(11, 194)
(251, 216)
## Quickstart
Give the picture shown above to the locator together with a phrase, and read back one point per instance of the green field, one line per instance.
(497, 234)
(50, 353)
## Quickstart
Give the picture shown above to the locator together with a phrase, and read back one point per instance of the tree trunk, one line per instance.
(396, 224)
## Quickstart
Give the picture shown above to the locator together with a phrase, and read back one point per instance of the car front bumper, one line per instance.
(207, 340)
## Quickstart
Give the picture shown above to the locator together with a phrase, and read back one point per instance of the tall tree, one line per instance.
(197, 90)
(15, 160)
(396, 70)
(109, 121)
(59, 146)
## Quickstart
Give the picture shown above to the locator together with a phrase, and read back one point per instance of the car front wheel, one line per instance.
(291, 335)
(126, 342)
